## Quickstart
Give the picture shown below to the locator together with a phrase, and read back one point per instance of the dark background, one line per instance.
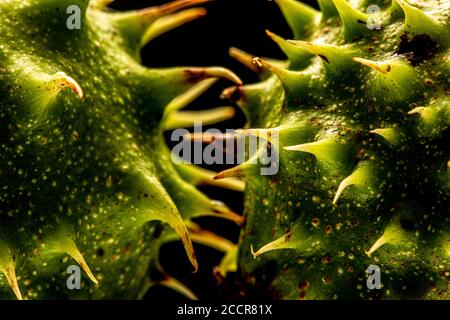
(205, 42)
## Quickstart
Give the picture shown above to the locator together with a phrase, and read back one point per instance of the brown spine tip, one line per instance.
(195, 75)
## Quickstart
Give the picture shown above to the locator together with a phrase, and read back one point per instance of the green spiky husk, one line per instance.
(86, 175)
(313, 248)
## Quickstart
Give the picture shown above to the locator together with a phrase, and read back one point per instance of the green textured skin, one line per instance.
(94, 172)
(406, 190)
